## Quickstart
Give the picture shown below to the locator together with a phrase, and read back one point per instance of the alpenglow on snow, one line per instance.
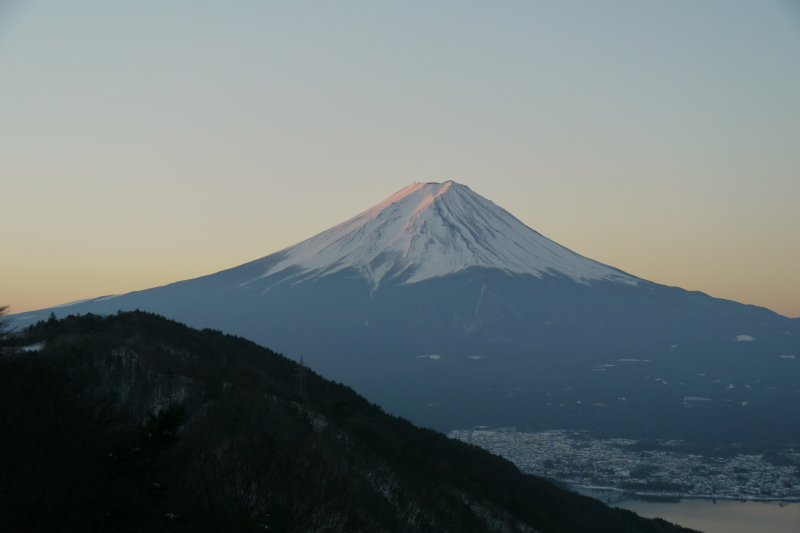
(428, 230)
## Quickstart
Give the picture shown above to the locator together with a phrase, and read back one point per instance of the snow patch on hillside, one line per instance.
(33, 347)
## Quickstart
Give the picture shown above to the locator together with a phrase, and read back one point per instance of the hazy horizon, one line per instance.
(147, 143)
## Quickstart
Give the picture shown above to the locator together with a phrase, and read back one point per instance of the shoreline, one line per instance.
(684, 496)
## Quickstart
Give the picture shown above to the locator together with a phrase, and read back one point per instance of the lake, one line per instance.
(726, 516)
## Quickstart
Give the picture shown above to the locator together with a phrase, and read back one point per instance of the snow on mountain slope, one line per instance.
(433, 229)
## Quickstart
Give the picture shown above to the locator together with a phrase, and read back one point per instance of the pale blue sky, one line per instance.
(147, 142)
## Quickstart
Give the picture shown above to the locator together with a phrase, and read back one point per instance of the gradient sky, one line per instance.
(143, 143)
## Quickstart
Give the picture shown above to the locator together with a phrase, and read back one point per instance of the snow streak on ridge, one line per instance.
(428, 230)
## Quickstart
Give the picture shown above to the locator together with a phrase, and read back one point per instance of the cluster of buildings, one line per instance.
(574, 458)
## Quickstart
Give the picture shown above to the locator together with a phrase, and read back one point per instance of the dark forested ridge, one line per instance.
(133, 422)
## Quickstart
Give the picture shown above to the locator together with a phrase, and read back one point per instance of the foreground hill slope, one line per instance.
(237, 446)
(442, 307)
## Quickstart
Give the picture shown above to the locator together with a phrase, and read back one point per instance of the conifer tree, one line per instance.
(5, 329)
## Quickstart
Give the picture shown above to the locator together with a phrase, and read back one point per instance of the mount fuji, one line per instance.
(443, 307)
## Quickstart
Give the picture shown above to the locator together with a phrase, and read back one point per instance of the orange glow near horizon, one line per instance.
(139, 148)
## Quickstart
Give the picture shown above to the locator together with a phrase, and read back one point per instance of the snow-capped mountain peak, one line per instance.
(428, 230)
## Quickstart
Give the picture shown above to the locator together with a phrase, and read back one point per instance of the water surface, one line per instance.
(726, 516)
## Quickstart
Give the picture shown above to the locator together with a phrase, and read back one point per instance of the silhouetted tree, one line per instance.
(5, 328)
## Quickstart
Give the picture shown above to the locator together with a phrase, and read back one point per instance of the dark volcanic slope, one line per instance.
(251, 453)
(517, 350)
